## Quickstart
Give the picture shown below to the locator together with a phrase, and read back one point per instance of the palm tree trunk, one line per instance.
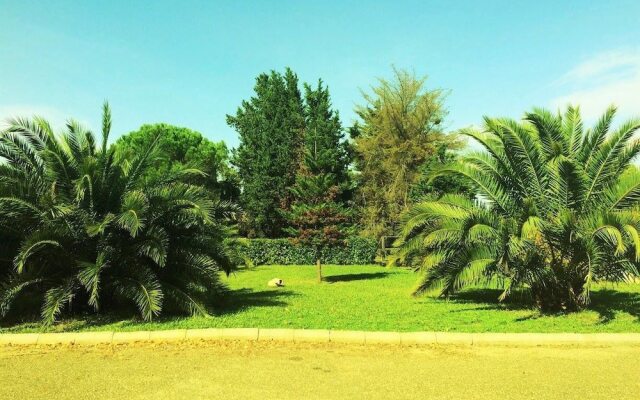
(556, 297)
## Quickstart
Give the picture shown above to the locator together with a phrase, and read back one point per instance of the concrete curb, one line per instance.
(311, 335)
(323, 335)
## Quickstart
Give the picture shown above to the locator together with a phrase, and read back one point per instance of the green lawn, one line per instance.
(376, 298)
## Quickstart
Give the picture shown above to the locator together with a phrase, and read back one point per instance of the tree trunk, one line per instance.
(555, 297)
(319, 268)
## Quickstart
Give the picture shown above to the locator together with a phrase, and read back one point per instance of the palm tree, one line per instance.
(81, 230)
(557, 208)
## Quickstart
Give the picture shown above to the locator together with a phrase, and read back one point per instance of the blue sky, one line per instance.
(190, 63)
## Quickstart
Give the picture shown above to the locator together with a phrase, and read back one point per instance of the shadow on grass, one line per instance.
(71, 323)
(229, 302)
(487, 299)
(605, 302)
(235, 301)
(355, 277)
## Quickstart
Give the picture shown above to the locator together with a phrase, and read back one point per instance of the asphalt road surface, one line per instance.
(254, 370)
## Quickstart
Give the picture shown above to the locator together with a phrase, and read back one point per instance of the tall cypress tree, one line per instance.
(319, 217)
(324, 137)
(270, 126)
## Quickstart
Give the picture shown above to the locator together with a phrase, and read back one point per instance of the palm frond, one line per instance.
(106, 126)
(55, 299)
(89, 278)
(144, 290)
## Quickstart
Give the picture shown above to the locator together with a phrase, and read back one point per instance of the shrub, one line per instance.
(81, 230)
(356, 250)
(557, 208)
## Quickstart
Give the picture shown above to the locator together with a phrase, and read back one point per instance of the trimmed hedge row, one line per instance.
(356, 250)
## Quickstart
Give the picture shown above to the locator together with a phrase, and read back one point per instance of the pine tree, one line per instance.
(317, 218)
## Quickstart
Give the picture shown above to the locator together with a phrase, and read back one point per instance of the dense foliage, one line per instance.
(354, 250)
(557, 209)
(148, 223)
(84, 231)
(318, 219)
(327, 152)
(401, 129)
(181, 148)
(426, 188)
(270, 127)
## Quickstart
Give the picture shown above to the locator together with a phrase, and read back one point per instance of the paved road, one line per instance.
(249, 370)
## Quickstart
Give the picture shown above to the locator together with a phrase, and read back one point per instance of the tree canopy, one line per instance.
(427, 188)
(270, 126)
(180, 148)
(324, 138)
(279, 130)
(400, 128)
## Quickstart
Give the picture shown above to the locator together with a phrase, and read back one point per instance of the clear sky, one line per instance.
(190, 63)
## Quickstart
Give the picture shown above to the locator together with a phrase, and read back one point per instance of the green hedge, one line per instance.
(356, 250)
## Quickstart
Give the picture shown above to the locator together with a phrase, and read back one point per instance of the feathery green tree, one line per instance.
(557, 208)
(400, 129)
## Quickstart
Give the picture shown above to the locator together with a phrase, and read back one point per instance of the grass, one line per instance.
(378, 299)
(242, 370)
